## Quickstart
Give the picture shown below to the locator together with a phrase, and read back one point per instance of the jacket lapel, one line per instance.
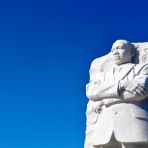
(125, 71)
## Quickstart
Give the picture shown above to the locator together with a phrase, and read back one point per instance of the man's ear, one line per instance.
(133, 53)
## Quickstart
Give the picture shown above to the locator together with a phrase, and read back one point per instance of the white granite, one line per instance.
(117, 111)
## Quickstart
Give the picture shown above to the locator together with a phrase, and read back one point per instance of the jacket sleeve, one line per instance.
(141, 76)
(96, 91)
(97, 88)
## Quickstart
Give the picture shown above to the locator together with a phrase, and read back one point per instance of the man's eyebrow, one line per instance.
(117, 47)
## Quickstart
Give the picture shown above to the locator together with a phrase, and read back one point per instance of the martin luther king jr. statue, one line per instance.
(117, 111)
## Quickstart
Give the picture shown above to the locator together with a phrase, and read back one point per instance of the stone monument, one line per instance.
(117, 111)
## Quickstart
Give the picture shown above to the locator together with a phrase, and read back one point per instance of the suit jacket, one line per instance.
(126, 115)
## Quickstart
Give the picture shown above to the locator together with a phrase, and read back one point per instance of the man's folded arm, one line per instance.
(111, 89)
(96, 91)
(140, 82)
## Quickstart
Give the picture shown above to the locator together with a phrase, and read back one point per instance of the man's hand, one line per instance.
(133, 87)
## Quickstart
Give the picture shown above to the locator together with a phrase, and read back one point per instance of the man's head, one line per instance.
(122, 52)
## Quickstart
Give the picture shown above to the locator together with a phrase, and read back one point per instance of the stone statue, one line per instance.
(117, 111)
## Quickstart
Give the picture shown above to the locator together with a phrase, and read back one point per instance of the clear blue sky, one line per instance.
(46, 48)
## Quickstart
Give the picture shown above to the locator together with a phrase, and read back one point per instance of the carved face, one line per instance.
(121, 53)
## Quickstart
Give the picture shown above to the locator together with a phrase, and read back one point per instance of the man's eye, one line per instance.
(122, 49)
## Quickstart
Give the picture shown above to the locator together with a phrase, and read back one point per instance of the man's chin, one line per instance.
(117, 62)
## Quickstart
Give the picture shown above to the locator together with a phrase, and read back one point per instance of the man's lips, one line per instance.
(116, 57)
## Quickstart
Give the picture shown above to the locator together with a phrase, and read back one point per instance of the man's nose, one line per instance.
(115, 51)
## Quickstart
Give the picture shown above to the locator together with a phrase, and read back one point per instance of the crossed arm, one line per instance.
(135, 89)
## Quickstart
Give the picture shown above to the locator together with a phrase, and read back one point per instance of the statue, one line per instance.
(117, 111)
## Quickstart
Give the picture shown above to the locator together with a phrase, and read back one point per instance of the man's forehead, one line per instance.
(119, 44)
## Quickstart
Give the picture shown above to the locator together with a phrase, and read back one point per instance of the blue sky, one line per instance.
(46, 48)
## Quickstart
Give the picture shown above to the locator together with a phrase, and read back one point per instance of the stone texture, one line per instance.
(117, 111)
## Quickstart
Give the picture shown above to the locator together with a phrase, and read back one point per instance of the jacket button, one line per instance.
(115, 113)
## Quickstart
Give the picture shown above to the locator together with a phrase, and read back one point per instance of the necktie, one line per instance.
(117, 70)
